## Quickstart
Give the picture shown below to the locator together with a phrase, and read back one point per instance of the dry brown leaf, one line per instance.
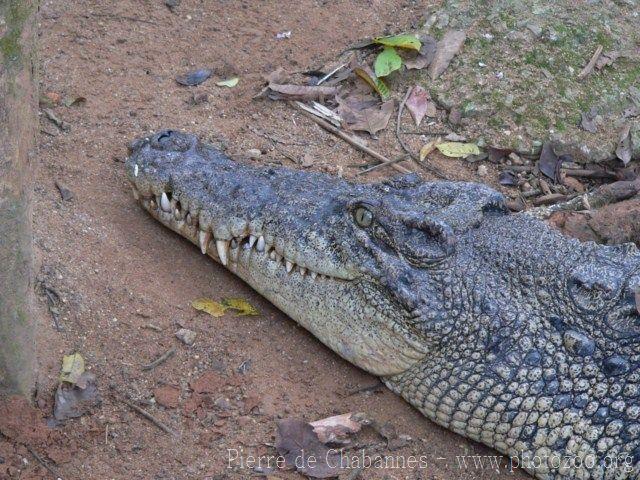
(623, 151)
(337, 428)
(369, 119)
(422, 59)
(301, 92)
(420, 104)
(299, 445)
(447, 48)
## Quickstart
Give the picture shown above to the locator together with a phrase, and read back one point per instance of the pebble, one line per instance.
(254, 153)
(482, 170)
(186, 336)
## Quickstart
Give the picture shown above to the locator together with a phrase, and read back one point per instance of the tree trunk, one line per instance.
(18, 103)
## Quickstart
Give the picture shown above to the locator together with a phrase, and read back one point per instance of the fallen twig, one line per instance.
(42, 462)
(401, 158)
(415, 158)
(571, 172)
(579, 172)
(601, 196)
(317, 113)
(586, 71)
(331, 74)
(148, 416)
(354, 143)
(161, 359)
(549, 199)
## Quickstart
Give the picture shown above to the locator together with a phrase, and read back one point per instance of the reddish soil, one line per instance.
(126, 282)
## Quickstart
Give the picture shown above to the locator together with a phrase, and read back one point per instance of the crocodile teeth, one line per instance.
(189, 219)
(165, 204)
(260, 245)
(223, 248)
(136, 195)
(204, 238)
(278, 257)
(289, 266)
(303, 271)
(252, 240)
(313, 275)
(272, 255)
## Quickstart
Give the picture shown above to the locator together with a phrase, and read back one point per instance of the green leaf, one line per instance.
(231, 82)
(387, 61)
(377, 84)
(458, 149)
(214, 309)
(401, 41)
(242, 307)
(72, 368)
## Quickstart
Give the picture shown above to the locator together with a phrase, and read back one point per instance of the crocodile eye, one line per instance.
(363, 217)
(594, 286)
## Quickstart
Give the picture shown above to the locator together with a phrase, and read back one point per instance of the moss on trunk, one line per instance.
(18, 101)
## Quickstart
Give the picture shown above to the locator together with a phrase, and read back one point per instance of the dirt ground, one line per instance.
(127, 283)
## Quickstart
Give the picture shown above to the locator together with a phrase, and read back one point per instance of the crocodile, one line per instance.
(492, 324)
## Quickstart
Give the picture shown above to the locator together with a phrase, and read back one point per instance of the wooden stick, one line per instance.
(601, 196)
(161, 359)
(384, 164)
(148, 416)
(339, 133)
(41, 461)
(586, 71)
(415, 158)
(578, 172)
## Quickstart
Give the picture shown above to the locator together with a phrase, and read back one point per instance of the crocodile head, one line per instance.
(358, 265)
(493, 325)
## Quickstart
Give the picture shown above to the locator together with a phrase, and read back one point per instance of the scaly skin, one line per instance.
(492, 325)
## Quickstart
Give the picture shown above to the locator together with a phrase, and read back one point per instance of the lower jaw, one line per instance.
(317, 302)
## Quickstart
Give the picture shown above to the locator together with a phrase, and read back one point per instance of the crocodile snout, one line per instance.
(172, 140)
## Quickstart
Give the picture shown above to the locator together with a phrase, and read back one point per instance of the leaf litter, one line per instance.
(360, 114)
(420, 104)
(446, 49)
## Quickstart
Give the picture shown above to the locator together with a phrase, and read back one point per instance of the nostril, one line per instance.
(172, 140)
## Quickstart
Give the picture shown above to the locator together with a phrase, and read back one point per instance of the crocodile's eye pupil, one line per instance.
(363, 217)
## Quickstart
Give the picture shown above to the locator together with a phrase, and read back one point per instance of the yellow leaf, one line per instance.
(72, 368)
(428, 148)
(374, 82)
(402, 41)
(241, 306)
(458, 149)
(207, 305)
(231, 82)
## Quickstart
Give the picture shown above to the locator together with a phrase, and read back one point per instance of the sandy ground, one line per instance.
(119, 272)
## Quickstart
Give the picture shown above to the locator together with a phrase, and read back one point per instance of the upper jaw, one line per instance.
(226, 205)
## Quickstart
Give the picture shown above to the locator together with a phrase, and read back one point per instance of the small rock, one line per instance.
(535, 29)
(198, 99)
(254, 153)
(66, 194)
(482, 170)
(167, 396)
(188, 337)
(515, 158)
(454, 137)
